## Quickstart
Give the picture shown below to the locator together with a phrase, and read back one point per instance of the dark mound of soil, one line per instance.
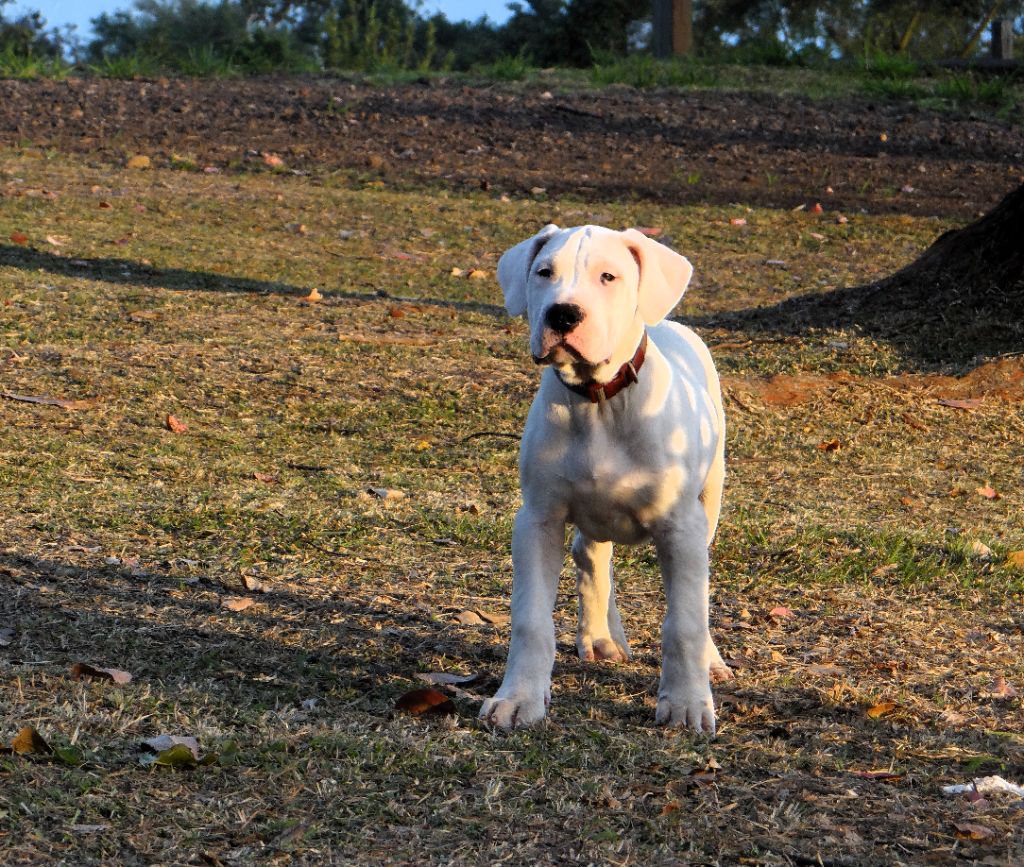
(961, 301)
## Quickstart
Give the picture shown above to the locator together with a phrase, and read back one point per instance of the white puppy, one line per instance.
(625, 440)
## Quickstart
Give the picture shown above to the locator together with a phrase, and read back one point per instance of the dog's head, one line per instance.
(584, 290)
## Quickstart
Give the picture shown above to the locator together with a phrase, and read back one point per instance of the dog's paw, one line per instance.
(605, 649)
(696, 712)
(515, 711)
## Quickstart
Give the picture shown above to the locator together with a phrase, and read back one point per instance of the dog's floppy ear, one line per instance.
(514, 269)
(664, 276)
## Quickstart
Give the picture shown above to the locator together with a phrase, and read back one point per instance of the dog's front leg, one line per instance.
(537, 555)
(684, 695)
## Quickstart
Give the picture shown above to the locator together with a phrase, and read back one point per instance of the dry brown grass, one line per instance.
(120, 541)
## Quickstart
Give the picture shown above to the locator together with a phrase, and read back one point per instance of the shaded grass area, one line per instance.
(121, 541)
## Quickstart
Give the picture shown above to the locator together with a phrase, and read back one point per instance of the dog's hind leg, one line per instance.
(599, 634)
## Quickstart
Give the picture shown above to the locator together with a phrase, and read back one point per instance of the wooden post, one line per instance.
(673, 27)
(1002, 39)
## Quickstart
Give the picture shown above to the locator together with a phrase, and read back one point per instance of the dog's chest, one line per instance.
(618, 487)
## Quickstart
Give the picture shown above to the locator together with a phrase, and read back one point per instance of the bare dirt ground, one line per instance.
(713, 147)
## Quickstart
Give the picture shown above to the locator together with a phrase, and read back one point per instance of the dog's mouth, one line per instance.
(560, 353)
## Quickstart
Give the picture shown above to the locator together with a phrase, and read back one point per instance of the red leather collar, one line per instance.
(627, 375)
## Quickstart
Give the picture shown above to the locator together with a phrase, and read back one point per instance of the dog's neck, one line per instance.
(603, 381)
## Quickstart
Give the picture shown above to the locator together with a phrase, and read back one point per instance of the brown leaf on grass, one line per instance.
(237, 603)
(19, 238)
(1000, 689)
(254, 585)
(105, 206)
(669, 808)
(477, 274)
(314, 295)
(493, 619)
(879, 710)
(1015, 559)
(830, 446)
(781, 612)
(272, 160)
(884, 776)
(386, 494)
(972, 831)
(266, 478)
(49, 401)
(174, 425)
(82, 670)
(470, 618)
(443, 678)
(29, 742)
(816, 208)
(396, 313)
(826, 670)
(988, 492)
(139, 161)
(968, 403)
(425, 702)
(738, 221)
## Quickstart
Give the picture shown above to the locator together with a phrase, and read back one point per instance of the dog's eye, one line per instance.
(607, 278)
(544, 272)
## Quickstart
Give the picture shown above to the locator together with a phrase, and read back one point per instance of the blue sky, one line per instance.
(79, 12)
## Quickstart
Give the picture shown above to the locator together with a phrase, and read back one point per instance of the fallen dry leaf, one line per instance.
(29, 742)
(470, 618)
(19, 238)
(174, 425)
(56, 241)
(443, 678)
(237, 603)
(254, 585)
(477, 274)
(881, 709)
(830, 446)
(981, 550)
(972, 831)
(816, 208)
(887, 776)
(314, 295)
(826, 670)
(1001, 689)
(386, 494)
(493, 619)
(139, 161)
(272, 160)
(969, 403)
(425, 702)
(1015, 559)
(266, 478)
(737, 221)
(988, 492)
(781, 612)
(82, 669)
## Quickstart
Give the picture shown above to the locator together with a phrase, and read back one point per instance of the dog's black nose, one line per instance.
(563, 318)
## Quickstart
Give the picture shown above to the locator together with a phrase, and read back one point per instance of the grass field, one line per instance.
(269, 604)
